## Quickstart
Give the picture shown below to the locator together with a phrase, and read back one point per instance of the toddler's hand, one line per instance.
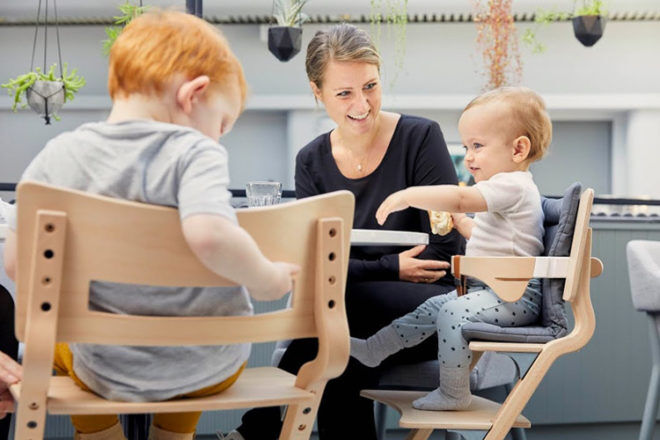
(457, 217)
(285, 273)
(395, 202)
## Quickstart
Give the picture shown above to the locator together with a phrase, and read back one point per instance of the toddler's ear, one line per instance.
(521, 148)
(190, 92)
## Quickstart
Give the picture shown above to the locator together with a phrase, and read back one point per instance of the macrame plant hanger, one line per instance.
(46, 96)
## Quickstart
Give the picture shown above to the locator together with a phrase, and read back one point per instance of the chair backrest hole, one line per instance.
(45, 281)
(332, 232)
(332, 279)
(331, 303)
(48, 253)
(31, 424)
(49, 227)
(45, 306)
(332, 256)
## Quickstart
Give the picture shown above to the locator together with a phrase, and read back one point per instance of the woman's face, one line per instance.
(352, 95)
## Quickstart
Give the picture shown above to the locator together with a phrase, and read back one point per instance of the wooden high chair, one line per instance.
(508, 277)
(68, 238)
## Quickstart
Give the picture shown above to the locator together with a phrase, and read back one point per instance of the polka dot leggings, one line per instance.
(447, 314)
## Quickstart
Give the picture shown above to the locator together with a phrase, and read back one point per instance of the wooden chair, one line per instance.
(508, 276)
(68, 238)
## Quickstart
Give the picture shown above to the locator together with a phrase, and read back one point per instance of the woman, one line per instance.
(372, 153)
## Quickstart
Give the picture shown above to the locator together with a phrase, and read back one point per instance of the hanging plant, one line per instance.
(497, 41)
(394, 13)
(588, 23)
(128, 13)
(285, 39)
(44, 91)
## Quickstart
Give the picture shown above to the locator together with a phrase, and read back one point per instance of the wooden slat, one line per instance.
(479, 415)
(272, 386)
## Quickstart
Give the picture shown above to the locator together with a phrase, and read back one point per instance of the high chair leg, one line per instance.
(156, 433)
(115, 432)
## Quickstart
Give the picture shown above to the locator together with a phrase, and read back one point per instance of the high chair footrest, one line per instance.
(479, 416)
(265, 386)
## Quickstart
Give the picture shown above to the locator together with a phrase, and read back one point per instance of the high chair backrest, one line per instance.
(66, 239)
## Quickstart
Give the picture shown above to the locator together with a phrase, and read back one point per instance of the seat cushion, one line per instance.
(559, 224)
(481, 331)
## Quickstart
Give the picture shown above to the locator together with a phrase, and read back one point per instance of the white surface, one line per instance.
(370, 237)
(3, 231)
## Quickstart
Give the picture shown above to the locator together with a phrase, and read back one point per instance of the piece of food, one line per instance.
(441, 222)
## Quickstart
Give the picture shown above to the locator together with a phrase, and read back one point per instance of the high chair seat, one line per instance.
(67, 239)
(277, 388)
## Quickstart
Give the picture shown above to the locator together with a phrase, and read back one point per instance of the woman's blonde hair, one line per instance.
(528, 113)
(342, 42)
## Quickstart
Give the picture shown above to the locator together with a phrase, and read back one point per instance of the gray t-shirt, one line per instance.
(163, 164)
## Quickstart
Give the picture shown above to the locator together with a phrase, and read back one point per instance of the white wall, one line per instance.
(603, 83)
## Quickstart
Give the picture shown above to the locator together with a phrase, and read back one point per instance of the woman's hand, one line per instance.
(394, 202)
(420, 271)
(10, 373)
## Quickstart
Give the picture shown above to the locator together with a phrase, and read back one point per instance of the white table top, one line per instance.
(373, 237)
(359, 237)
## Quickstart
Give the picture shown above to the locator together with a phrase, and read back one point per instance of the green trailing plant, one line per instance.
(289, 12)
(18, 87)
(128, 13)
(394, 14)
(542, 18)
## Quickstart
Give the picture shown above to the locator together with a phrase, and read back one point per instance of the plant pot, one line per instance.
(46, 98)
(588, 28)
(284, 41)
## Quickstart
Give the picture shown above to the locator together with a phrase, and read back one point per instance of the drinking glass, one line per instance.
(263, 193)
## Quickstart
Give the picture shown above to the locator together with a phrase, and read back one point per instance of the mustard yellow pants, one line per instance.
(173, 422)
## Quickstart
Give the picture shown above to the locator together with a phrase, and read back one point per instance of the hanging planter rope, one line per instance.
(45, 92)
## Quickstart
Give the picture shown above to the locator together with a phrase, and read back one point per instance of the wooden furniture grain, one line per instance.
(508, 277)
(68, 238)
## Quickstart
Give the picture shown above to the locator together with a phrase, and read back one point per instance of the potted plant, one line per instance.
(45, 93)
(285, 39)
(588, 23)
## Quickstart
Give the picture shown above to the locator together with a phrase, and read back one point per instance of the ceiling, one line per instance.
(26, 9)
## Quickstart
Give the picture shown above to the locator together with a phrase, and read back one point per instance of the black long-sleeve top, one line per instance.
(417, 155)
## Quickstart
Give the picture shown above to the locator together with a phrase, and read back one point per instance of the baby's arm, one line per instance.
(450, 198)
(228, 250)
(463, 224)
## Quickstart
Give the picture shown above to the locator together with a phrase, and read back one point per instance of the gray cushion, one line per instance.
(644, 271)
(559, 223)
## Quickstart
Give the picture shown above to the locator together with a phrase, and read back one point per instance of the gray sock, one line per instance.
(453, 393)
(373, 350)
